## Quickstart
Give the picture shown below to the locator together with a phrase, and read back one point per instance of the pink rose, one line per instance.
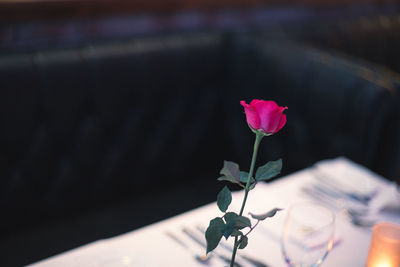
(265, 116)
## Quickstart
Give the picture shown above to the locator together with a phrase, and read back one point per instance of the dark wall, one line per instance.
(101, 137)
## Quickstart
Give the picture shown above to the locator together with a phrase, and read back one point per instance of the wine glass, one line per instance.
(307, 234)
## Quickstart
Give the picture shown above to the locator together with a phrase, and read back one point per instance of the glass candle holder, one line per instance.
(384, 250)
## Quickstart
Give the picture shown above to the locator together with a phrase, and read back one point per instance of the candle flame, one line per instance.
(383, 264)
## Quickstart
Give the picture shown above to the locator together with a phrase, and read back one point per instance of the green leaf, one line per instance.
(243, 242)
(230, 216)
(214, 233)
(231, 171)
(263, 216)
(228, 229)
(242, 222)
(236, 233)
(269, 170)
(244, 176)
(227, 178)
(224, 199)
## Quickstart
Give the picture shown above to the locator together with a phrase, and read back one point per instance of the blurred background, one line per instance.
(118, 114)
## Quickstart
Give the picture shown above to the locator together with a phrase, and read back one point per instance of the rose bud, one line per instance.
(264, 116)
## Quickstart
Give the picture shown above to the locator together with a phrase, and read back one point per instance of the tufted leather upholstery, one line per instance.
(337, 105)
(136, 122)
(92, 124)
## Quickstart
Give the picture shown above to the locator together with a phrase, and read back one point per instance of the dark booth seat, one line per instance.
(338, 105)
(105, 138)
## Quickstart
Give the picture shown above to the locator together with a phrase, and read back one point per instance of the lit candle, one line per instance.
(384, 250)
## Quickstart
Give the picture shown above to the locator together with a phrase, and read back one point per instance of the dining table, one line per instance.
(180, 240)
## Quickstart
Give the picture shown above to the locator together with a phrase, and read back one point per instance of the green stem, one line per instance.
(257, 142)
(235, 246)
(252, 228)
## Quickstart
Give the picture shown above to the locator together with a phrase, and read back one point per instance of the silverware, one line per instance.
(358, 217)
(204, 259)
(334, 192)
(349, 193)
(355, 207)
(361, 221)
(255, 262)
(202, 243)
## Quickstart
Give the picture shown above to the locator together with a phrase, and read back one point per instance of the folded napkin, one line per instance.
(351, 177)
(387, 199)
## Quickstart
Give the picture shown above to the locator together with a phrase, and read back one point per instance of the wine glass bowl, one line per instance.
(307, 235)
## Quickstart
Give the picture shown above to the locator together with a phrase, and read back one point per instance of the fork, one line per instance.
(200, 242)
(203, 259)
(250, 260)
(358, 217)
(350, 193)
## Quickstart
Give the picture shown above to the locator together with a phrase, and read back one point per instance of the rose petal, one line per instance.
(266, 116)
(267, 112)
(278, 120)
(251, 115)
(282, 121)
(256, 101)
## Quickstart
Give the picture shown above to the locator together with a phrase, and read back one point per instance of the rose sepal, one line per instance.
(259, 131)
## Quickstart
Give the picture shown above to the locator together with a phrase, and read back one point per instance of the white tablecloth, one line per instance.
(150, 246)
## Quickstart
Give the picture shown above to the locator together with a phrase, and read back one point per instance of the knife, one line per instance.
(202, 243)
(253, 261)
(193, 236)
